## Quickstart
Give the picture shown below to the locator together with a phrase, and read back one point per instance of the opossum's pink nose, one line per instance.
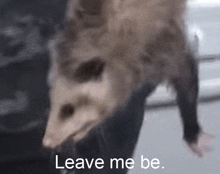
(49, 143)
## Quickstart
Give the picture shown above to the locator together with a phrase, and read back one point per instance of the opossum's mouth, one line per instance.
(78, 135)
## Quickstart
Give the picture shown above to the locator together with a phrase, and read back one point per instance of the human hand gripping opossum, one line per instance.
(110, 55)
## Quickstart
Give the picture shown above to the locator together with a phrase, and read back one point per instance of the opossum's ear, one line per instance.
(91, 69)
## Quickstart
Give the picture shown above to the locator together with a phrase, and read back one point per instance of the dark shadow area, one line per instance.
(25, 28)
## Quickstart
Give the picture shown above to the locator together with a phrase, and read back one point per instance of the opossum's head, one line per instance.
(81, 103)
(88, 86)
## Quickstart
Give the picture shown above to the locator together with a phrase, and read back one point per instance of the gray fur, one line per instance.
(137, 43)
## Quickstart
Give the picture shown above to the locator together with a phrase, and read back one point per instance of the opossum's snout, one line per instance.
(48, 142)
(70, 124)
(51, 140)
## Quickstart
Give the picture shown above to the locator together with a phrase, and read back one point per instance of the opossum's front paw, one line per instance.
(202, 146)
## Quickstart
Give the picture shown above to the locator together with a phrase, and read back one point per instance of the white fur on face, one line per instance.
(85, 117)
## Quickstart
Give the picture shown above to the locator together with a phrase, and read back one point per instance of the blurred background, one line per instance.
(25, 28)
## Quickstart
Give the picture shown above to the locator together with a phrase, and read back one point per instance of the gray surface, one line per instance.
(161, 137)
(206, 22)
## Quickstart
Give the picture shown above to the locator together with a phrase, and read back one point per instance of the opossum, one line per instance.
(110, 50)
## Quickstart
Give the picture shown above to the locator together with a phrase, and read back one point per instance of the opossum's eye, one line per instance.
(91, 69)
(67, 110)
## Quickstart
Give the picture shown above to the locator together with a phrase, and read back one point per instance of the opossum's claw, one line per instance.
(202, 146)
